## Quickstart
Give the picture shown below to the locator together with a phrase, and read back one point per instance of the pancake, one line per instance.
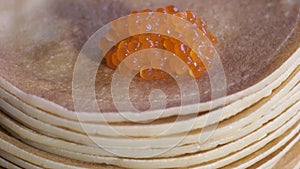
(274, 158)
(186, 148)
(221, 135)
(7, 164)
(246, 122)
(263, 158)
(39, 158)
(137, 129)
(247, 114)
(291, 158)
(14, 162)
(286, 132)
(38, 71)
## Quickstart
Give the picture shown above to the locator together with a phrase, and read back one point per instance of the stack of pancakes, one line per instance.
(254, 124)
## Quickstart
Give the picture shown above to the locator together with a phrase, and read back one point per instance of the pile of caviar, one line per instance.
(151, 67)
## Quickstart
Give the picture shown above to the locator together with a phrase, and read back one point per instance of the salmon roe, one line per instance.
(147, 64)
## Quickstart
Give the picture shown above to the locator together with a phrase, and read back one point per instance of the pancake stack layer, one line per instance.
(257, 123)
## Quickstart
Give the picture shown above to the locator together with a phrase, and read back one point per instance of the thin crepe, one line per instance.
(252, 43)
(285, 132)
(247, 121)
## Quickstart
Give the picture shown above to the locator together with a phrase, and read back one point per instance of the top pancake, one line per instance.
(40, 41)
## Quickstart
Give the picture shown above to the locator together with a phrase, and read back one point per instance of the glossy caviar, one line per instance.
(151, 67)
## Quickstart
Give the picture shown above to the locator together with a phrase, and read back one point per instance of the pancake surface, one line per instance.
(42, 63)
(257, 126)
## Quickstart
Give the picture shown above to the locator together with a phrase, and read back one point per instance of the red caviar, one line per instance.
(147, 65)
